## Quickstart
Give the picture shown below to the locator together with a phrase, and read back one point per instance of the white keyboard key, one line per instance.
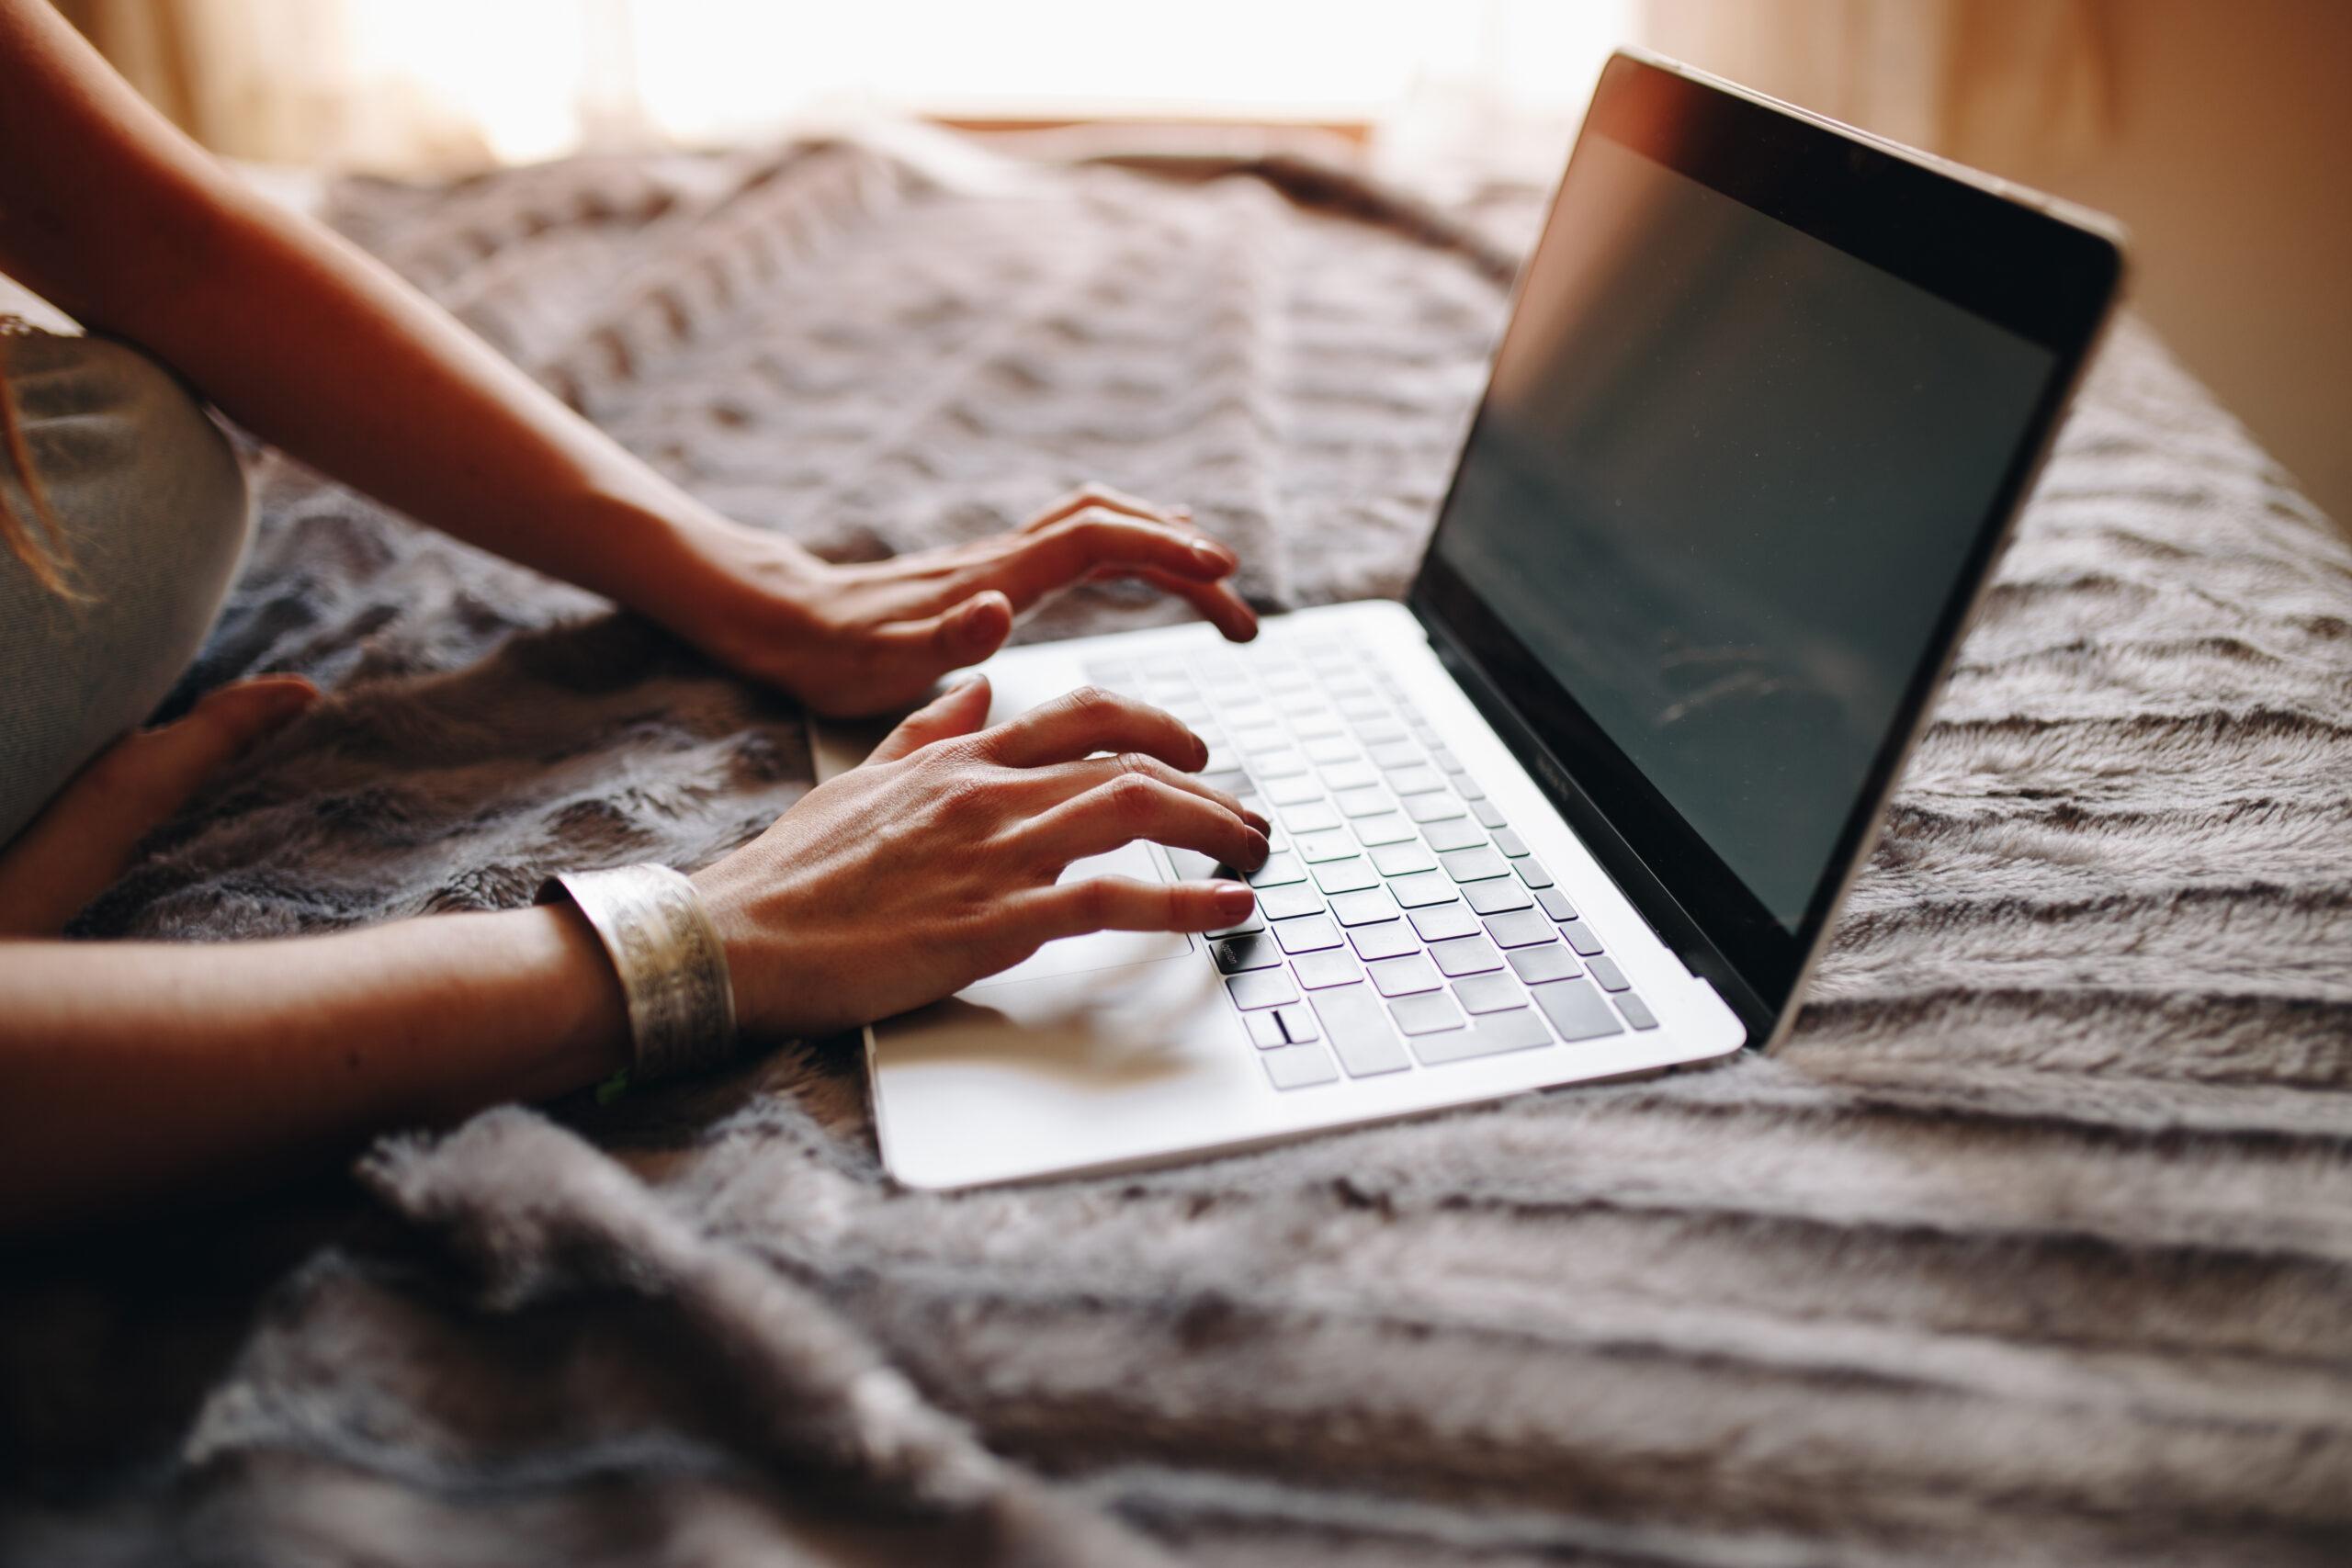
(1397, 976)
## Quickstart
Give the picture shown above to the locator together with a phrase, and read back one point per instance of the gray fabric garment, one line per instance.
(2033, 1246)
(156, 514)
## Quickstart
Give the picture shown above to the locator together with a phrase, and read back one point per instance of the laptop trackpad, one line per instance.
(1105, 950)
(1064, 1072)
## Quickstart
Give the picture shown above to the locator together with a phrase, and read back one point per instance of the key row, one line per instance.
(1438, 1027)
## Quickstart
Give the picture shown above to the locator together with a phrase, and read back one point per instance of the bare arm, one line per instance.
(109, 212)
(113, 216)
(130, 1071)
(133, 1069)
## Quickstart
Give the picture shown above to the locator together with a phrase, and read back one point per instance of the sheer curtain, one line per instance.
(441, 85)
(437, 86)
(353, 84)
(1978, 78)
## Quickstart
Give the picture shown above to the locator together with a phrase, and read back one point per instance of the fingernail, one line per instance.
(1262, 847)
(1214, 556)
(1234, 899)
(1256, 821)
(1200, 753)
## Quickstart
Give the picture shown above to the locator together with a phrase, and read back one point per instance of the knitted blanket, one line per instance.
(2033, 1245)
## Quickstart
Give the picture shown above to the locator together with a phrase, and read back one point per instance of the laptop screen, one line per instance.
(1729, 488)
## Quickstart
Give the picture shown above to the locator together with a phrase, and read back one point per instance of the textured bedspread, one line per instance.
(2034, 1245)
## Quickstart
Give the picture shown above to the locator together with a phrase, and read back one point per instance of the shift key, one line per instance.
(1357, 1027)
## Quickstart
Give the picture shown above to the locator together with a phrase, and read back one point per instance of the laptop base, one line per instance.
(1127, 1049)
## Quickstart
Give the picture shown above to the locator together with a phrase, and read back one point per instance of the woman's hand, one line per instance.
(267, 312)
(937, 863)
(82, 841)
(869, 637)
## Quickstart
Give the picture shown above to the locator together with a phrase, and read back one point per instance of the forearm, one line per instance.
(311, 345)
(131, 1070)
(323, 353)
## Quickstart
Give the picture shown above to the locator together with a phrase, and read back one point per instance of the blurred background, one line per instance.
(2218, 132)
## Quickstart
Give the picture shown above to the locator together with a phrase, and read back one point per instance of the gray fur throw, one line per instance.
(2033, 1246)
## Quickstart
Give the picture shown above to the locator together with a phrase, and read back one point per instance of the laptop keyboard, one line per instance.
(1401, 923)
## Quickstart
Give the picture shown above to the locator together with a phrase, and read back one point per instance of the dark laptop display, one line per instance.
(1765, 402)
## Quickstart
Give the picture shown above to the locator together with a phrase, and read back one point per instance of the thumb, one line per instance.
(81, 842)
(959, 710)
(920, 650)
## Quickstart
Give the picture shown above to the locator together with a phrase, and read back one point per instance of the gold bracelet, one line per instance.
(672, 968)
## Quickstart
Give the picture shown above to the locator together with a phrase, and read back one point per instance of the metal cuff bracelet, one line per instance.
(672, 968)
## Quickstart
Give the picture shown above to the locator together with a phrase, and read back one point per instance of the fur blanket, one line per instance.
(2034, 1245)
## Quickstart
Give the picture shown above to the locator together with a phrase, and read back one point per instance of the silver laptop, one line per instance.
(1584, 805)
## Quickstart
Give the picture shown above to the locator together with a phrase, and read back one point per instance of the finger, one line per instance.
(1095, 540)
(967, 631)
(1081, 723)
(1217, 602)
(959, 710)
(1072, 779)
(79, 845)
(1096, 493)
(1136, 806)
(1124, 903)
(1011, 561)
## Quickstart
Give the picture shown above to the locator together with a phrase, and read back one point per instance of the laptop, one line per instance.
(1585, 804)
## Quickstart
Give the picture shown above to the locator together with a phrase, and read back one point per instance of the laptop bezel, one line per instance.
(2027, 262)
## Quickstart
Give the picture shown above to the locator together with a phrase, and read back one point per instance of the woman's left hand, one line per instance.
(83, 838)
(875, 637)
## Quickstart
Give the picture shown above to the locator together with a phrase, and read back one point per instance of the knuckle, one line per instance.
(1094, 701)
(965, 796)
(1097, 527)
(1132, 798)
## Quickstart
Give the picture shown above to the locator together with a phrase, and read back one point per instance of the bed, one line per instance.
(2033, 1245)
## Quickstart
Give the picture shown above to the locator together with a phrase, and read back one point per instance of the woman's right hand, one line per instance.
(938, 861)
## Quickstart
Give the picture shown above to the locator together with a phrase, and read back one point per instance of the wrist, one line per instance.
(704, 575)
(730, 900)
(583, 1007)
(674, 560)
(785, 969)
(657, 933)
